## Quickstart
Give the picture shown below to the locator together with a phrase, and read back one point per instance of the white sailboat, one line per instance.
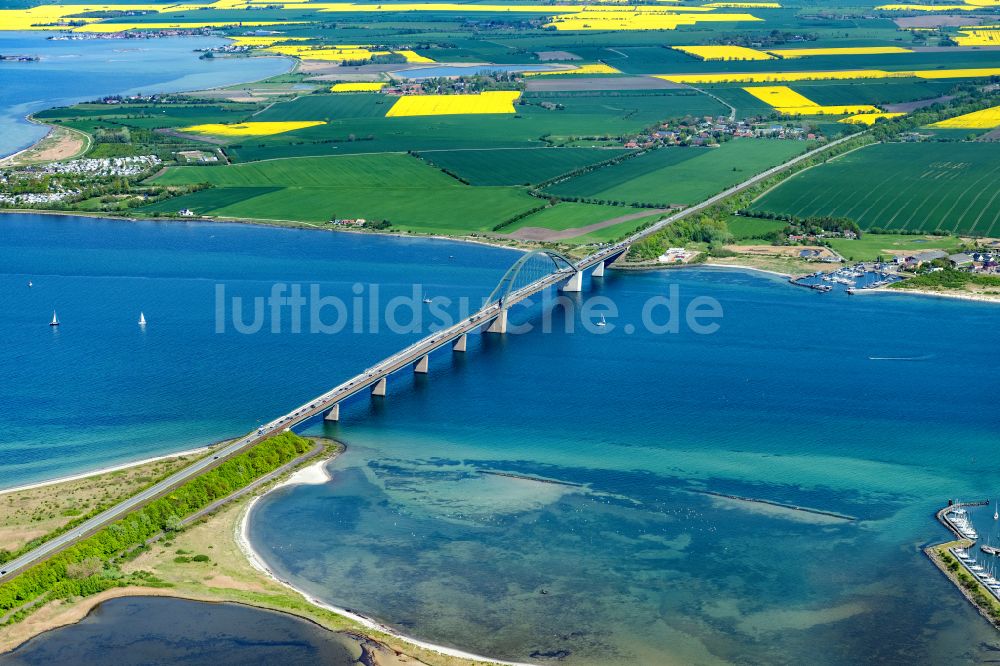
(142, 319)
(55, 319)
(996, 511)
(602, 322)
(30, 285)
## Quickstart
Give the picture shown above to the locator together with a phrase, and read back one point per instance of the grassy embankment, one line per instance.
(31, 516)
(202, 560)
(91, 566)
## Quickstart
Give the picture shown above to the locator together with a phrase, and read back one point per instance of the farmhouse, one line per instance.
(960, 260)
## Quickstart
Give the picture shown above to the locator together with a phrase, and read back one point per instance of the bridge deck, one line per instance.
(371, 376)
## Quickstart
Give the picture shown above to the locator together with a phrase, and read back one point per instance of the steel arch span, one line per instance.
(529, 269)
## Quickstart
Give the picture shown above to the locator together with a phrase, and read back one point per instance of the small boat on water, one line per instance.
(996, 511)
(142, 319)
(55, 319)
(427, 300)
(30, 285)
(602, 322)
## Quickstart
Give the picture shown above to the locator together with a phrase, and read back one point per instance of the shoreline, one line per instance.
(30, 117)
(926, 292)
(313, 475)
(104, 470)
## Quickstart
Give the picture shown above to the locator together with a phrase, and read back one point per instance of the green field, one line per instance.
(746, 228)
(526, 166)
(356, 123)
(912, 186)
(399, 188)
(871, 246)
(567, 215)
(679, 175)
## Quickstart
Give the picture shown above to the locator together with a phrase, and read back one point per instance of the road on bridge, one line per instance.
(369, 377)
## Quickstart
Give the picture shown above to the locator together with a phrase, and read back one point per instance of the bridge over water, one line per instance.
(531, 274)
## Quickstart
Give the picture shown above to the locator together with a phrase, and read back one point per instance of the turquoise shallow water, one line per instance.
(428, 523)
(76, 71)
(633, 563)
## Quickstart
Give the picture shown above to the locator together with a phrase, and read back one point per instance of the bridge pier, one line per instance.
(499, 325)
(460, 343)
(575, 283)
(333, 414)
(421, 365)
(379, 388)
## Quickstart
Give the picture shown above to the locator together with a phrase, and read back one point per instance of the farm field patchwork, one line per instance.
(398, 188)
(907, 186)
(679, 175)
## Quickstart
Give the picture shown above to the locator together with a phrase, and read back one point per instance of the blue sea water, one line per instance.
(99, 390)
(544, 496)
(76, 71)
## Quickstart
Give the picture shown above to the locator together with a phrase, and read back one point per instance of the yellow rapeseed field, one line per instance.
(264, 41)
(357, 87)
(869, 118)
(744, 5)
(789, 102)
(251, 129)
(334, 53)
(501, 101)
(724, 52)
(977, 36)
(599, 68)
(767, 77)
(340, 52)
(985, 119)
(413, 56)
(847, 50)
(973, 73)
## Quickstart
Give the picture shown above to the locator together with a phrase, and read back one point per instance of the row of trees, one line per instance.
(85, 568)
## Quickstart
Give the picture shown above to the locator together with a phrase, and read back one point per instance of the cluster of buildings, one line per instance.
(812, 238)
(977, 262)
(709, 130)
(105, 166)
(34, 199)
(359, 222)
(675, 255)
(118, 99)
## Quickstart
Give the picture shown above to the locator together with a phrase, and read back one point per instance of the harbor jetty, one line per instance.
(957, 561)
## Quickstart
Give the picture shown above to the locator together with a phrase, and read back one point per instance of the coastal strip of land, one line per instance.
(205, 559)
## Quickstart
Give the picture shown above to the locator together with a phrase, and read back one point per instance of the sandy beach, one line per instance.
(317, 474)
(104, 470)
(967, 296)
